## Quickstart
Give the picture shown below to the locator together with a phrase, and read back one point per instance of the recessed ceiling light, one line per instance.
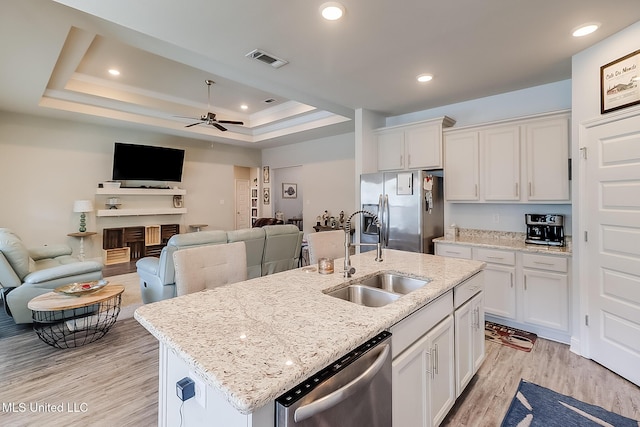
(244, 106)
(114, 72)
(332, 11)
(423, 78)
(584, 30)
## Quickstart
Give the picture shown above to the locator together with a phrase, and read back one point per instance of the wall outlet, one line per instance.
(201, 389)
(496, 218)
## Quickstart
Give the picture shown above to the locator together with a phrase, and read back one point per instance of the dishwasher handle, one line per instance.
(335, 397)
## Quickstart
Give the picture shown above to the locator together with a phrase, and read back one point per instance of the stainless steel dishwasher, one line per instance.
(354, 391)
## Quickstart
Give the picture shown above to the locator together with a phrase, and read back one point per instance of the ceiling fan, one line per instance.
(210, 118)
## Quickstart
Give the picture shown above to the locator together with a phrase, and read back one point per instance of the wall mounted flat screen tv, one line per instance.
(146, 163)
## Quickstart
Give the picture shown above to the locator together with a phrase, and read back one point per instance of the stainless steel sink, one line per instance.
(393, 282)
(364, 295)
(378, 290)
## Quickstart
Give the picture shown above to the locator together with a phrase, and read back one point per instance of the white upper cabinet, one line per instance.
(501, 163)
(524, 160)
(414, 146)
(547, 150)
(461, 179)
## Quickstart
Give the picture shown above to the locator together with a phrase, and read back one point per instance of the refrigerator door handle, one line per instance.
(386, 220)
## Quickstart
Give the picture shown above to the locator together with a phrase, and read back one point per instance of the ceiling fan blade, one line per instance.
(231, 122)
(185, 117)
(222, 128)
(192, 124)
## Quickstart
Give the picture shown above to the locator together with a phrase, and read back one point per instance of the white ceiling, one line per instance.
(55, 56)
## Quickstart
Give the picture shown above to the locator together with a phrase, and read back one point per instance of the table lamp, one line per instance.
(83, 206)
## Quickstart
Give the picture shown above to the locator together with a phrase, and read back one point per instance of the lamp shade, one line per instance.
(82, 206)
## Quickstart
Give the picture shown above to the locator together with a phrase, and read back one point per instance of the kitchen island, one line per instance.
(249, 342)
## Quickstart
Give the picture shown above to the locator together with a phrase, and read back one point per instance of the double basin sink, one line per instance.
(378, 290)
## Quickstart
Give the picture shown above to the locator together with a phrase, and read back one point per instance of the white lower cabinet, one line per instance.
(428, 351)
(546, 291)
(469, 334)
(423, 379)
(529, 291)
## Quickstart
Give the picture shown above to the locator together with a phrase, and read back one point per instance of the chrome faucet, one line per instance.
(348, 269)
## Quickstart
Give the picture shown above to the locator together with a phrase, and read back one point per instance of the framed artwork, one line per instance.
(265, 174)
(289, 191)
(266, 197)
(620, 83)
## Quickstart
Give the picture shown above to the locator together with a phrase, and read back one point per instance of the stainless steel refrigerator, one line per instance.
(411, 206)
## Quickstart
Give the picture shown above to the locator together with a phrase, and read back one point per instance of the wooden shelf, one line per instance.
(142, 191)
(141, 211)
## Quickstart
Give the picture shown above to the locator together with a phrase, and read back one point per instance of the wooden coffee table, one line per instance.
(66, 321)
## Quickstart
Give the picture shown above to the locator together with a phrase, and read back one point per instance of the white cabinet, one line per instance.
(546, 291)
(469, 335)
(523, 160)
(501, 163)
(500, 281)
(461, 167)
(414, 146)
(524, 290)
(547, 151)
(423, 379)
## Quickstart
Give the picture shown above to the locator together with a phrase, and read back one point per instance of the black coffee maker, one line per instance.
(545, 229)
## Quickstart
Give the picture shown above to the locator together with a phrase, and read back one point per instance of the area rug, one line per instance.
(511, 337)
(537, 406)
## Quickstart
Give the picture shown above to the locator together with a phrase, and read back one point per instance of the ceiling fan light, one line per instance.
(244, 107)
(584, 30)
(332, 11)
(423, 78)
(114, 72)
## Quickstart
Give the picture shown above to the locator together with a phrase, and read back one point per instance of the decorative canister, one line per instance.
(325, 266)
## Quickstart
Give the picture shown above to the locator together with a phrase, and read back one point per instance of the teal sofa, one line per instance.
(270, 249)
(27, 273)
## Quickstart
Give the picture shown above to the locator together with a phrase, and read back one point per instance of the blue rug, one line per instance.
(538, 406)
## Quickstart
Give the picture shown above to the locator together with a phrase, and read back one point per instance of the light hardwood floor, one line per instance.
(549, 364)
(117, 378)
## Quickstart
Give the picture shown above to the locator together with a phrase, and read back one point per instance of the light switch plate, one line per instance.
(201, 389)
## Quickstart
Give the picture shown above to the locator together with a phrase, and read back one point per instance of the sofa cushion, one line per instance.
(50, 251)
(16, 253)
(253, 239)
(198, 239)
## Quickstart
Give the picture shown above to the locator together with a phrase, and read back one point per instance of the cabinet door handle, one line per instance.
(525, 283)
(476, 190)
(435, 360)
(409, 160)
(495, 257)
(511, 275)
(543, 263)
(530, 189)
(401, 159)
(517, 190)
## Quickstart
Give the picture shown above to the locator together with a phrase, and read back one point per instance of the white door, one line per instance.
(612, 192)
(242, 204)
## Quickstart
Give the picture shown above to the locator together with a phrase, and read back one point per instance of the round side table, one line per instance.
(66, 321)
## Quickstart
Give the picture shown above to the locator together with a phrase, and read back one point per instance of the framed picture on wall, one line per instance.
(265, 174)
(289, 191)
(620, 83)
(266, 197)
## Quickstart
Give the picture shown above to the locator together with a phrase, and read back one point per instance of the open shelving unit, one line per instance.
(130, 193)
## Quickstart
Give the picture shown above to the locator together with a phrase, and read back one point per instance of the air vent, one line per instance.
(267, 58)
(269, 101)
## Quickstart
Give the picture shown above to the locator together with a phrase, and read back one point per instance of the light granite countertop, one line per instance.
(504, 240)
(254, 340)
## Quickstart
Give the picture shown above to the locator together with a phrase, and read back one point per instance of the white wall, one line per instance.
(538, 99)
(290, 207)
(46, 164)
(327, 174)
